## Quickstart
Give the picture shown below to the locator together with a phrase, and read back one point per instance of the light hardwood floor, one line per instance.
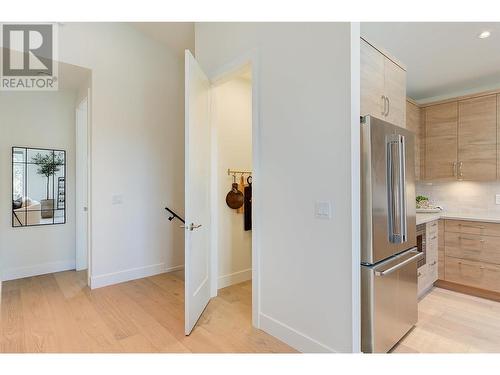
(58, 313)
(451, 322)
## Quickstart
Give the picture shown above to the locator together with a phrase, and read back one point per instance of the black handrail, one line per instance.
(174, 215)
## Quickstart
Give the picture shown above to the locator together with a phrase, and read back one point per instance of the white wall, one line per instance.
(306, 264)
(137, 148)
(44, 120)
(232, 110)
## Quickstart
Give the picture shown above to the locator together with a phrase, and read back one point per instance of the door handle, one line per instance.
(385, 105)
(388, 106)
(191, 226)
(417, 256)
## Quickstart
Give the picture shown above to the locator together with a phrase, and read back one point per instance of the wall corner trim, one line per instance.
(292, 337)
(131, 274)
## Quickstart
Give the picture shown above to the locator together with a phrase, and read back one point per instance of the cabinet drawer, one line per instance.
(472, 227)
(475, 274)
(473, 247)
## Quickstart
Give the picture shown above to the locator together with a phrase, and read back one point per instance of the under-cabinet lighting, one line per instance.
(484, 35)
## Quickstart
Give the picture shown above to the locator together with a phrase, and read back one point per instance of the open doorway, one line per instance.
(48, 133)
(233, 168)
(221, 228)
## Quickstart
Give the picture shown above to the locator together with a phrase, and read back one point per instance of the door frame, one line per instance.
(88, 98)
(80, 184)
(220, 75)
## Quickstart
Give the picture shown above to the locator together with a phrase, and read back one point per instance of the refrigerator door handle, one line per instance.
(402, 188)
(388, 271)
(393, 190)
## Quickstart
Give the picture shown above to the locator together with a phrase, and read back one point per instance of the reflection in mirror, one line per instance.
(38, 187)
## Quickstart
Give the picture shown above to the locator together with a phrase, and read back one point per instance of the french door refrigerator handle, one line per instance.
(390, 191)
(402, 187)
(388, 271)
(394, 197)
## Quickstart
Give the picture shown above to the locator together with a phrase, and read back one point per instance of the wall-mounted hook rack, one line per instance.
(235, 172)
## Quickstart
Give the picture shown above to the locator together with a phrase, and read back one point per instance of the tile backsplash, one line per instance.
(462, 196)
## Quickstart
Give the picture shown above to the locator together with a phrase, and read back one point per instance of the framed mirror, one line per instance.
(38, 187)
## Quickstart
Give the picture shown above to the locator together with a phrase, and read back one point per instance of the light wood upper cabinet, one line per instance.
(395, 91)
(441, 123)
(383, 86)
(477, 139)
(372, 81)
(414, 123)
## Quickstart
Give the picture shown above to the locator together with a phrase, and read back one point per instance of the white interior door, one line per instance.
(197, 205)
(81, 185)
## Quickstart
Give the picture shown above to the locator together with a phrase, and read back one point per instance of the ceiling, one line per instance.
(443, 59)
(177, 36)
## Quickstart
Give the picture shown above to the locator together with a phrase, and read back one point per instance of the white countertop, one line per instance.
(486, 216)
(423, 218)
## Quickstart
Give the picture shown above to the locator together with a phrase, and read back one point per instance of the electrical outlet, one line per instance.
(497, 198)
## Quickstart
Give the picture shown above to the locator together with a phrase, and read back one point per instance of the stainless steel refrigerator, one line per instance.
(388, 245)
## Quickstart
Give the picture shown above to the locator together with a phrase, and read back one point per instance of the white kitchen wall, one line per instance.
(44, 120)
(462, 197)
(306, 264)
(137, 148)
(232, 111)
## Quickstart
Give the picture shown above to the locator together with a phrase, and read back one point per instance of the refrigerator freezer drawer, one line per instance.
(389, 301)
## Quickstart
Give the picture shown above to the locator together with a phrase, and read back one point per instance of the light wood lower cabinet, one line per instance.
(428, 273)
(472, 257)
(476, 274)
(472, 227)
(473, 247)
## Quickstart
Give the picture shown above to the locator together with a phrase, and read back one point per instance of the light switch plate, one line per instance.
(117, 199)
(323, 210)
(497, 199)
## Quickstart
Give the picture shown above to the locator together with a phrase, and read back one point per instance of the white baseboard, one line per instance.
(38, 269)
(292, 337)
(234, 278)
(130, 274)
